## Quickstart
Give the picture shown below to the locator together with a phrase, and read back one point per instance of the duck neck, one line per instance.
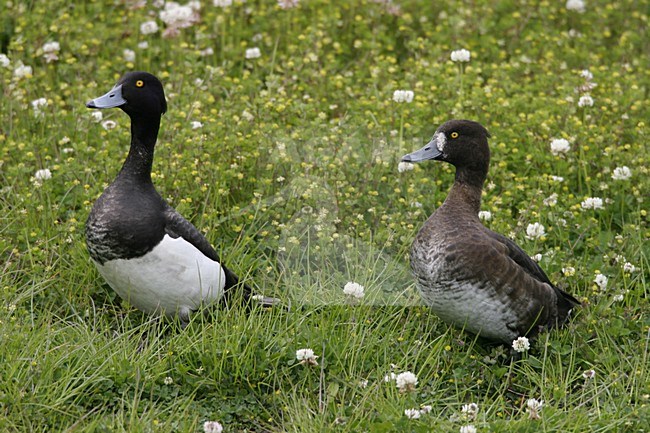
(139, 161)
(467, 189)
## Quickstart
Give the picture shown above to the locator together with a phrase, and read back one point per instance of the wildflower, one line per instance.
(535, 231)
(109, 124)
(629, 267)
(4, 60)
(618, 298)
(177, 17)
(462, 55)
(576, 5)
(389, 377)
(212, 427)
(405, 166)
(569, 271)
(537, 257)
(589, 374)
(97, 116)
(306, 356)
(288, 4)
(601, 281)
(363, 383)
(426, 408)
(37, 104)
(485, 215)
(222, 3)
(470, 411)
(586, 74)
(559, 145)
(129, 55)
(592, 203)
(43, 174)
(148, 27)
(403, 95)
(412, 413)
(521, 344)
(551, 200)
(406, 381)
(22, 71)
(556, 178)
(468, 429)
(534, 407)
(50, 51)
(253, 53)
(585, 101)
(168, 380)
(247, 116)
(622, 173)
(354, 290)
(143, 45)
(196, 124)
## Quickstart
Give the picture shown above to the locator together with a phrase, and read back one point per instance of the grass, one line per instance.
(293, 177)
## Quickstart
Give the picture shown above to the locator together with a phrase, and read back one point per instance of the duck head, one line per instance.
(137, 93)
(462, 143)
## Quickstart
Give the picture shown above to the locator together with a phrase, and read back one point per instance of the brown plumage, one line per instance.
(470, 276)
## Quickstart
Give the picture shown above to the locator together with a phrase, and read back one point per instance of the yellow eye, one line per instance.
(139, 83)
(454, 134)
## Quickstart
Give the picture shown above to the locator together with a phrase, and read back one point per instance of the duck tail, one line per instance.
(565, 304)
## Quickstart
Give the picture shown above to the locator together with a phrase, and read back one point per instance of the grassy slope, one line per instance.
(321, 152)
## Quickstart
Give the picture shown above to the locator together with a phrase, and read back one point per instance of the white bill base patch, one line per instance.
(440, 140)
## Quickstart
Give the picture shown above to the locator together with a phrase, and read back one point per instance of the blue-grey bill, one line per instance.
(111, 99)
(430, 151)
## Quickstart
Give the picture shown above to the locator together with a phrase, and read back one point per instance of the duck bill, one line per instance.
(111, 99)
(430, 151)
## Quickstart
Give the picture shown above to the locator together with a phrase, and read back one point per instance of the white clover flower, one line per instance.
(389, 377)
(403, 95)
(485, 215)
(558, 179)
(363, 383)
(4, 60)
(412, 413)
(96, 116)
(149, 27)
(22, 71)
(212, 427)
(470, 411)
(618, 298)
(50, 51)
(551, 200)
(406, 381)
(143, 45)
(586, 101)
(222, 3)
(559, 145)
(247, 116)
(129, 55)
(177, 17)
(629, 267)
(589, 374)
(43, 174)
(253, 53)
(37, 104)
(426, 409)
(194, 5)
(586, 74)
(354, 290)
(521, 344)
(109, 124)
(592, 203)
(537, 257)
(569, 271)
(576, 5)
(288, 4)
(306, 356)
(535, 231)
(168, 380)
(196, 124)
(534, 407)
(622, 173)
(468, 429)
(601, 281)
(462, 55)
(405, 166)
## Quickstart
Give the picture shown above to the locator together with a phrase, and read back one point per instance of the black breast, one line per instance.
(126, 222)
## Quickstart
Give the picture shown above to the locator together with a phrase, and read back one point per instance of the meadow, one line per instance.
(282, 143)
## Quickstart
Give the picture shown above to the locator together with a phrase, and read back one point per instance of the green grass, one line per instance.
(293, 177)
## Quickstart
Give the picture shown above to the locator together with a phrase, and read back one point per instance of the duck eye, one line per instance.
(454, 134)
(139, 83)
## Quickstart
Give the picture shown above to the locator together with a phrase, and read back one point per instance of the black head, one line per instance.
(137, 93)
(462, 143)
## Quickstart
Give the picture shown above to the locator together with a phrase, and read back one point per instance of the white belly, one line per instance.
(173, 278)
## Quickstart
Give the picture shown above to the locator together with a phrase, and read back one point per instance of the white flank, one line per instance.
(174, 277)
